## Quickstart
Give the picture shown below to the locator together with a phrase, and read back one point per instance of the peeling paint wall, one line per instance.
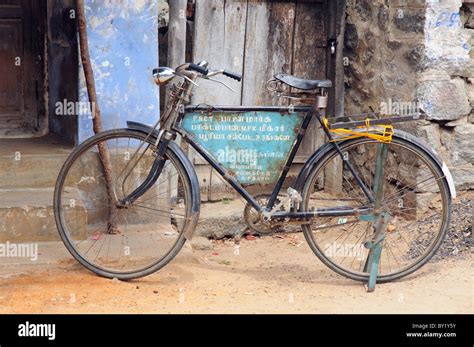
(446, 41)
(123, 43)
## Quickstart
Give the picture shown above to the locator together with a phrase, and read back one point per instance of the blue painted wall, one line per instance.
(123, 44)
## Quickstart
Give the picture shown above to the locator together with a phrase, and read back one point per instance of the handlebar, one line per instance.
(202, 70)
(233, 75)
(163, 75)
(205, 72)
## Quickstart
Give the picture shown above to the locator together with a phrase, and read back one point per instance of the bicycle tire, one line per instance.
(446, 198)
(99, 270)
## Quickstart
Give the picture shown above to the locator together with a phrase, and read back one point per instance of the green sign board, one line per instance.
(252, 145)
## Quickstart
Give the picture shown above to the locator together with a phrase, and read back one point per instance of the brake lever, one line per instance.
(190, 80)
(223, 83)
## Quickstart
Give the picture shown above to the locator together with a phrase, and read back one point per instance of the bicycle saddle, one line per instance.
(301, 83)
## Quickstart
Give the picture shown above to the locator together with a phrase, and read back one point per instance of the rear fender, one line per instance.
(313, 160)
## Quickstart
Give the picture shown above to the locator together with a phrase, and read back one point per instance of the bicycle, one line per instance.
(365, 190)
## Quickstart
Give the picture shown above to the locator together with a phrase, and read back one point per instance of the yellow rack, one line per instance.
(379, 132)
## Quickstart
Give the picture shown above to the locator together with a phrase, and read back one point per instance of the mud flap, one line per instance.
(449, 179)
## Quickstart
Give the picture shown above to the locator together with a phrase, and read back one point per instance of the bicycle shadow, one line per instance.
(289, 274)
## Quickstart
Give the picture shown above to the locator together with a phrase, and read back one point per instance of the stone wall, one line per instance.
(413, 54)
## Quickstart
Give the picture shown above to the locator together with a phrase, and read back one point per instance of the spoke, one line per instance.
(101, 246)
(159, 194)
(390, 249)
(326, 226)
(358, 241)
(337, 238)
(361, 197)
(407, 177)
(393, 196)
(132, 184)
(108, 250)
(159, 214)
(83, 223)
(79, 227)
(155, 209)
(90, 247)
(133, 158)
(343, 242)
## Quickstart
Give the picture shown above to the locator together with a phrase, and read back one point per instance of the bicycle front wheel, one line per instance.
(416, 197)
(112, 240)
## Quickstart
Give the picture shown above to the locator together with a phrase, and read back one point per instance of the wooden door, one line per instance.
(259, 39)
(19, 63)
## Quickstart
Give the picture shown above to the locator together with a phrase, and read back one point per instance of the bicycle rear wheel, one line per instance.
(416, 196)
(148, 233)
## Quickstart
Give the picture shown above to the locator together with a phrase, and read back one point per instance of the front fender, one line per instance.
(311, 162)
(190, 172)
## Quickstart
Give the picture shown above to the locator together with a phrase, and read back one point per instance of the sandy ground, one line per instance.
(267, 275)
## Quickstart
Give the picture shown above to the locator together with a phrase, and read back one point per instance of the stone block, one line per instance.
(443, 98)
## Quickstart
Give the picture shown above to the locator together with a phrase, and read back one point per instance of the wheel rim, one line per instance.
(414, 195)
(148, 230)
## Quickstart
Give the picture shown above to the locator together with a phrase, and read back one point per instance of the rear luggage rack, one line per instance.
(373, 125)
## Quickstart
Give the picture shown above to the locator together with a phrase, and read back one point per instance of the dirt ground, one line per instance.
(267, 275)
(272, 274)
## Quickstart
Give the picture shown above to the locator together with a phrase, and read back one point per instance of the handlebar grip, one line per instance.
(233, 75)
(197, 68)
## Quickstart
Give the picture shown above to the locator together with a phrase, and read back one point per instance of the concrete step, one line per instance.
(26, 215)
(31, 163)
(31, 171)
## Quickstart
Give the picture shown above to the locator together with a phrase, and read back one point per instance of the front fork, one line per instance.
(155, 171)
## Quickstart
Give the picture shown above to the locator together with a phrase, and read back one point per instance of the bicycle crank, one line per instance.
(254, 220)
(263, 222)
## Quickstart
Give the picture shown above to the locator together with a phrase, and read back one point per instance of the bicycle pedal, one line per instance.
(294, 195)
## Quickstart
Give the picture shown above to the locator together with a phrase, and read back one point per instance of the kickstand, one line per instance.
(373, 261)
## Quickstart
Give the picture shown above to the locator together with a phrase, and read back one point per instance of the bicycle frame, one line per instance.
(173, 126)
(237, 186)
(258, 145)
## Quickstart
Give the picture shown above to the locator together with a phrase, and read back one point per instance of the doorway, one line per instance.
(22, 69)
